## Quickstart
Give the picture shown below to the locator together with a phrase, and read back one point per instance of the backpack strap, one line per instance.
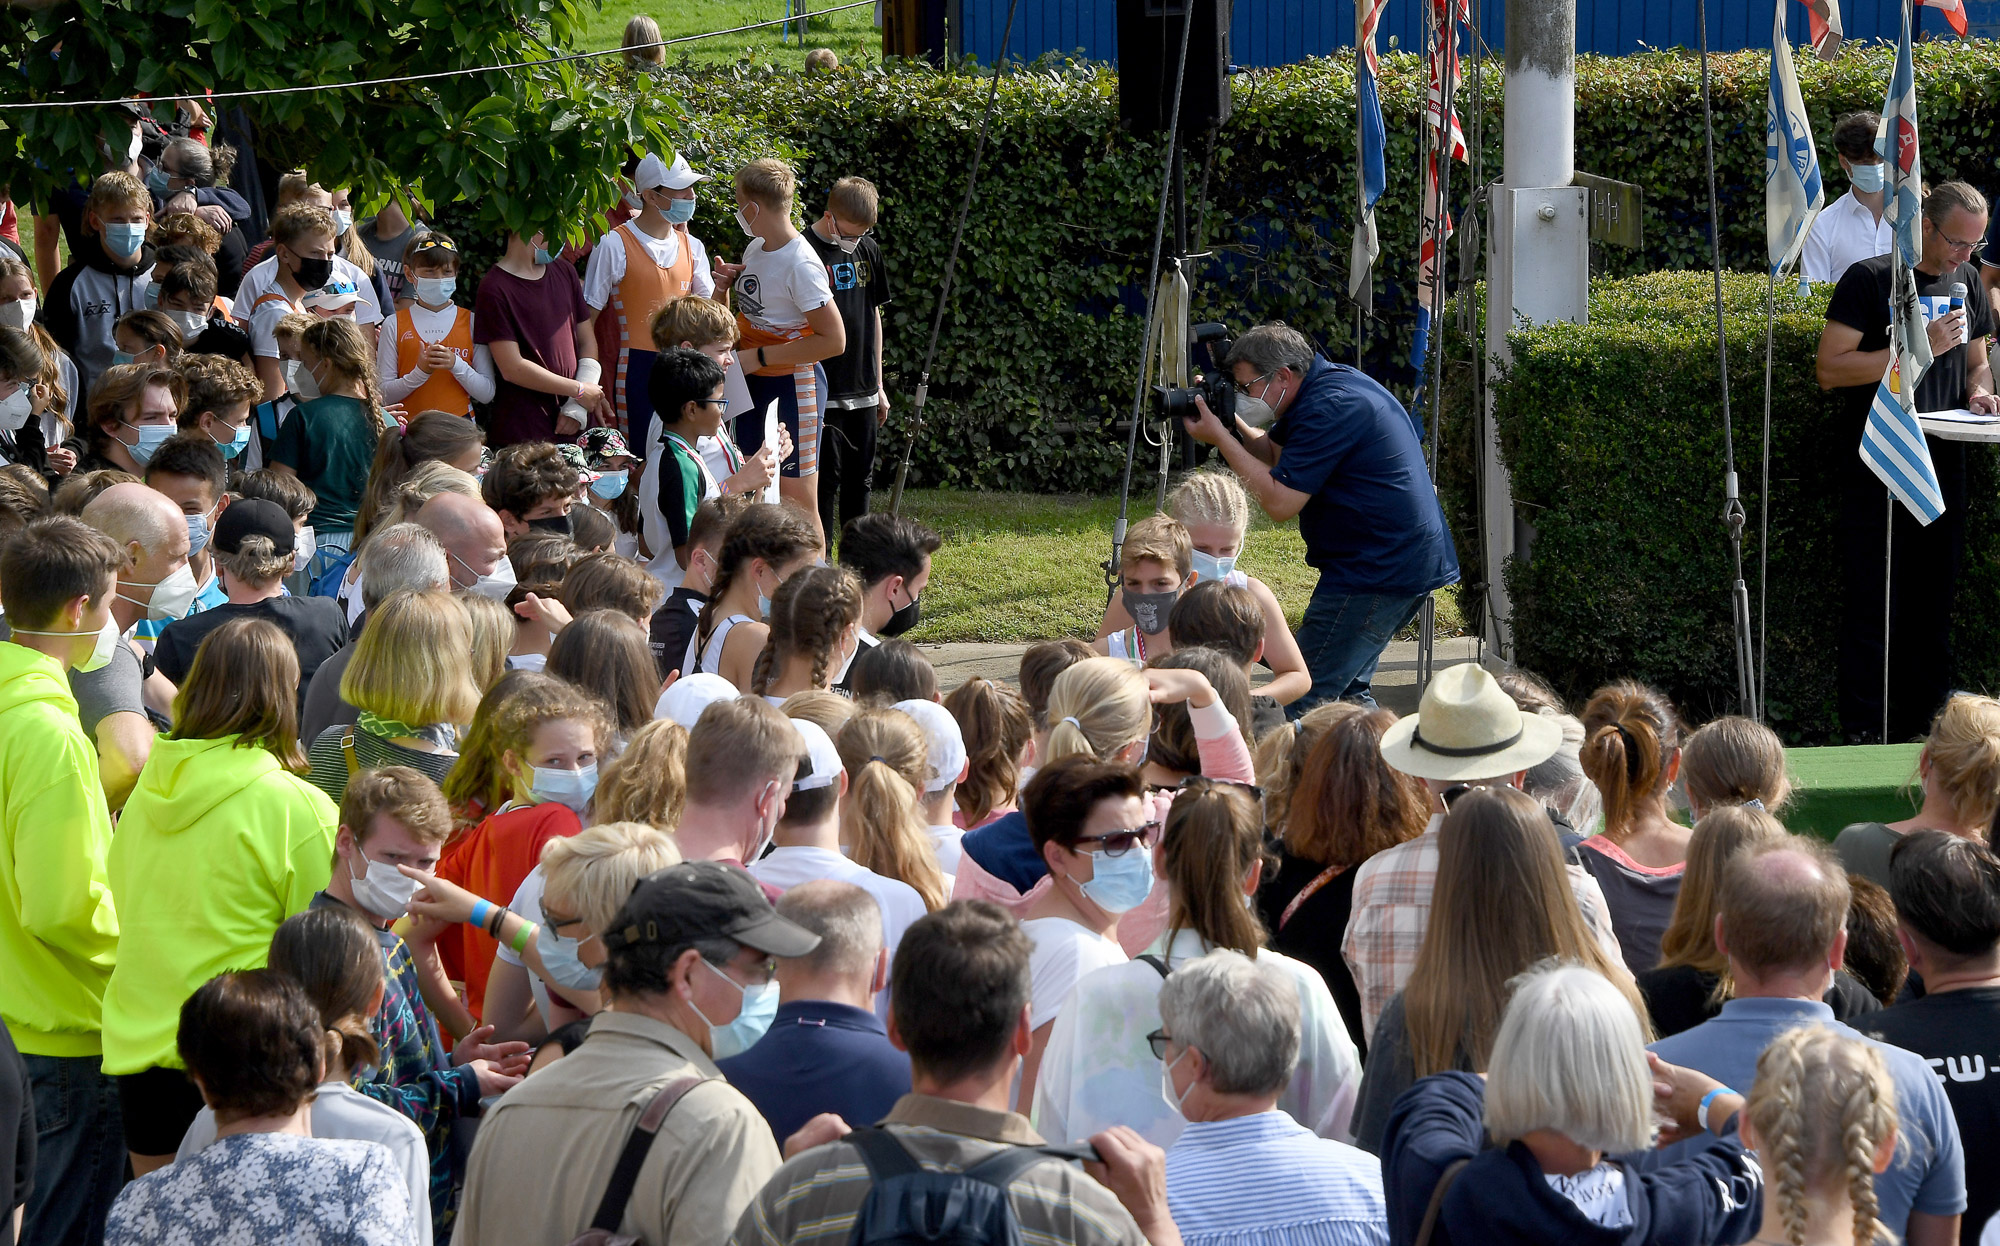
(885, 1157)
(611, 1208)
(347, 751)
(1159, 966)
(1443, 1187)
(1003, 1168)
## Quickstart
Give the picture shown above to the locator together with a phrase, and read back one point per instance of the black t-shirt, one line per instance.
(673, 626)
(1314, 933)
(860, 285)
(1678, 998)
(1955, 1031)
(316, 625)
(1861, 301)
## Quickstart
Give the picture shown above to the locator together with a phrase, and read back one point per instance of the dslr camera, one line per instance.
(1208, 346)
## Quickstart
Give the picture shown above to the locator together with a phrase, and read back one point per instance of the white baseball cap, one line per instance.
(823, 759)
(690, 695)
(654, 172)
(943, 742)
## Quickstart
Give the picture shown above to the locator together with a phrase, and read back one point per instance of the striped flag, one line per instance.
(1893, 447)
(1442, 123)
(1793, 192)
(1823, 23)
(1371, 141)
(1896, 143)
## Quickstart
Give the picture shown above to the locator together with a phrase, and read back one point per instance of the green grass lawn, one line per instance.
(1017, 567)
(852, 34)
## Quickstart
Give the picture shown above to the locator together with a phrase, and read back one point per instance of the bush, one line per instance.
(1613, 433)
(1034, 370)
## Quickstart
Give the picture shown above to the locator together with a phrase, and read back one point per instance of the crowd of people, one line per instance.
(461, 780)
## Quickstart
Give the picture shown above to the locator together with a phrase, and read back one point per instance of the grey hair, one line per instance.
(1241, 1014)
(1948, 197)
(402, 556)
(847, 921)
(191, 160)
(1271, 346)
(1570, 1057)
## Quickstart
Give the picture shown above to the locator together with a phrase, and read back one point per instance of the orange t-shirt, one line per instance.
(492, 861)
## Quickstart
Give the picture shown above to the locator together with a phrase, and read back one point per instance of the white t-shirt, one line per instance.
(263, 324)
(263, 278)
(777, 288)
(527, 661)
(1064, 953)
(607, 263)
(944, 841)
(527, 902)
(476, 378)
(340, 1111)
(786, 868)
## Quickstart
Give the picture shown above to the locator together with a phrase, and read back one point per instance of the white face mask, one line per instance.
(171, 596)
(744, 222)
(190, 323)
(18, 313)
(496, 585)
(108, 640)
(384, 890)
(304, 546)
(1174, 1101)
(16, 407)
(300, 380)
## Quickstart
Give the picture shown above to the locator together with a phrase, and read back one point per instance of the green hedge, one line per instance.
(1035, 368)
(1613, 433)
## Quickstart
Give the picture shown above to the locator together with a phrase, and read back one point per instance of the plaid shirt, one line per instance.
(1392, 907)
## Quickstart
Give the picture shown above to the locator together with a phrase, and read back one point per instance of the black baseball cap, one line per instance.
(249, 517)
(700, 900)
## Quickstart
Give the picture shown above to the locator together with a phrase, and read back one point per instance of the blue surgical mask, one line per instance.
(236, 445)
(157, 179)
(436, 291)
(151, 438)
(197, 534)
(763, 606)
(1122, 883)
(569, 788)
(542, 256)
(151, 298)
(609, 485)
(343, 220)
(1210, 567)
(1868, 178)
(119, 358)
(124, 238)
(760, 1005)
(680, 211)
(559, 957)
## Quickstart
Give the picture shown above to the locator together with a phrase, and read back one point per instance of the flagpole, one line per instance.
(1888, 595)
(1764, 506)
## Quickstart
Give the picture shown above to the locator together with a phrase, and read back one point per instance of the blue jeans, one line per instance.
(79, 1151)
(1342, 637)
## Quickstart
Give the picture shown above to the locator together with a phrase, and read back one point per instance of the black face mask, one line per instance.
(904, 619)
(314, 273)
(558, 524)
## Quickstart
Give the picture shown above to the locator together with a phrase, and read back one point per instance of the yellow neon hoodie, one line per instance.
(57, 927)
(217, 846)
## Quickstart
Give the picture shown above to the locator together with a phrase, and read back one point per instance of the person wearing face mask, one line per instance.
(1343, 457)
(530, 312)
(612, 465)
(186, 295)
(686, 954)
(708, 326)
(474, 541)
(857, 401)
(1102, 708)
(531, 487)
(766, 546)
(221, 840)
(634, 271)
(394, 819)
(742, 758)
(18, 304)
(1851, 228)
(24, 399)
(815, 619)
(388, 236)
(1153, 567)
(132, 413)
(188, 167)
(106, 283)
(189, 471)
(347, 245)
(58, 930)
(548, 750)
(892, 555)
(425, 356)
(220, 393)
(302, 262)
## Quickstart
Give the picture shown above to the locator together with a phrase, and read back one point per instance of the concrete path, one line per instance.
(1395, 679)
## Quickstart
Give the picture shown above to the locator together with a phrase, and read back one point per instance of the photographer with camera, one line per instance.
(1324, 442)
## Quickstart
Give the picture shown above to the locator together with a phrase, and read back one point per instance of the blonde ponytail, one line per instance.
(1964, 751)
(887, 761)
(1096, 708)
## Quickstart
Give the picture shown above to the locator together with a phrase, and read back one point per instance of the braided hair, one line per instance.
(808, 616)
(775, 534)
(1820, 1107)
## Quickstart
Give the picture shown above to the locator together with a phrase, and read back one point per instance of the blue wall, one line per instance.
(1277, 32)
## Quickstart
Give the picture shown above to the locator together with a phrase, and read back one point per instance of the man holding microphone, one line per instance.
(1853, 354)
(1323, 442)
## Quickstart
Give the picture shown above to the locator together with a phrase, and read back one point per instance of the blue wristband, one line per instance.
(1701, 1112)
(481, 909)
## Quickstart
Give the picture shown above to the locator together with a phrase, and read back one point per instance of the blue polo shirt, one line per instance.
(1928, 1174)
(818, 1057)
(1373, 524)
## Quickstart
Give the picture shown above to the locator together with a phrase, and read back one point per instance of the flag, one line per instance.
(1896, 143)
(1893, 447)
(1793, 192)
(1445, 137)
(1823, 23)
(1371, 140)
(1954, 12)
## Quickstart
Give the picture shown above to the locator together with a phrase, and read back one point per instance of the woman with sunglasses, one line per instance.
(1101, 1065)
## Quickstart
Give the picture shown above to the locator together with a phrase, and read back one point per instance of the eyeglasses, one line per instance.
(1243, 387)
(762, 972)
(711, 402)
(1158, 1041)
(1118, 843)
(1974, 247)
(556, 922)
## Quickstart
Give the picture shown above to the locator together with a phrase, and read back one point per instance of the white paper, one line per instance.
(771, 439)
(1961, 416)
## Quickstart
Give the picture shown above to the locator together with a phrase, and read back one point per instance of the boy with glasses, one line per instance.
(686, 389)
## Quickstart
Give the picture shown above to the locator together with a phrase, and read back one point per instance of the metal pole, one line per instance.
(1888, 595)
(1764, 510)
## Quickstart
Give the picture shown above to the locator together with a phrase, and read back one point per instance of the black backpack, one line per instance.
(908, 1205)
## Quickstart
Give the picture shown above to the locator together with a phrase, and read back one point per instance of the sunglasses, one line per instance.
(1158, 1041)
(1118, 843)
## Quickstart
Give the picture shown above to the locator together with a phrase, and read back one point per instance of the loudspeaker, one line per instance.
(1149, 48)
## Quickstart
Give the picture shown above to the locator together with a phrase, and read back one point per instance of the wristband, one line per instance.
(520, 940)
(498, 921)
(1701, 1112)
(760, 359)
(481, 909)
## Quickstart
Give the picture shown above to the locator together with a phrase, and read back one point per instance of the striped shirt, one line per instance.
(1266, 1180)
(817, 1196)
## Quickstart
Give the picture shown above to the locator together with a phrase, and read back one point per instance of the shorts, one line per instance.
(798, 397)
(157, 1107)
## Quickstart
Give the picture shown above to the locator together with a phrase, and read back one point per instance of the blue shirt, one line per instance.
(1005, 849)
(818, 1057)
(1928, 1174)
(1373, 523)
(1307, 1190)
